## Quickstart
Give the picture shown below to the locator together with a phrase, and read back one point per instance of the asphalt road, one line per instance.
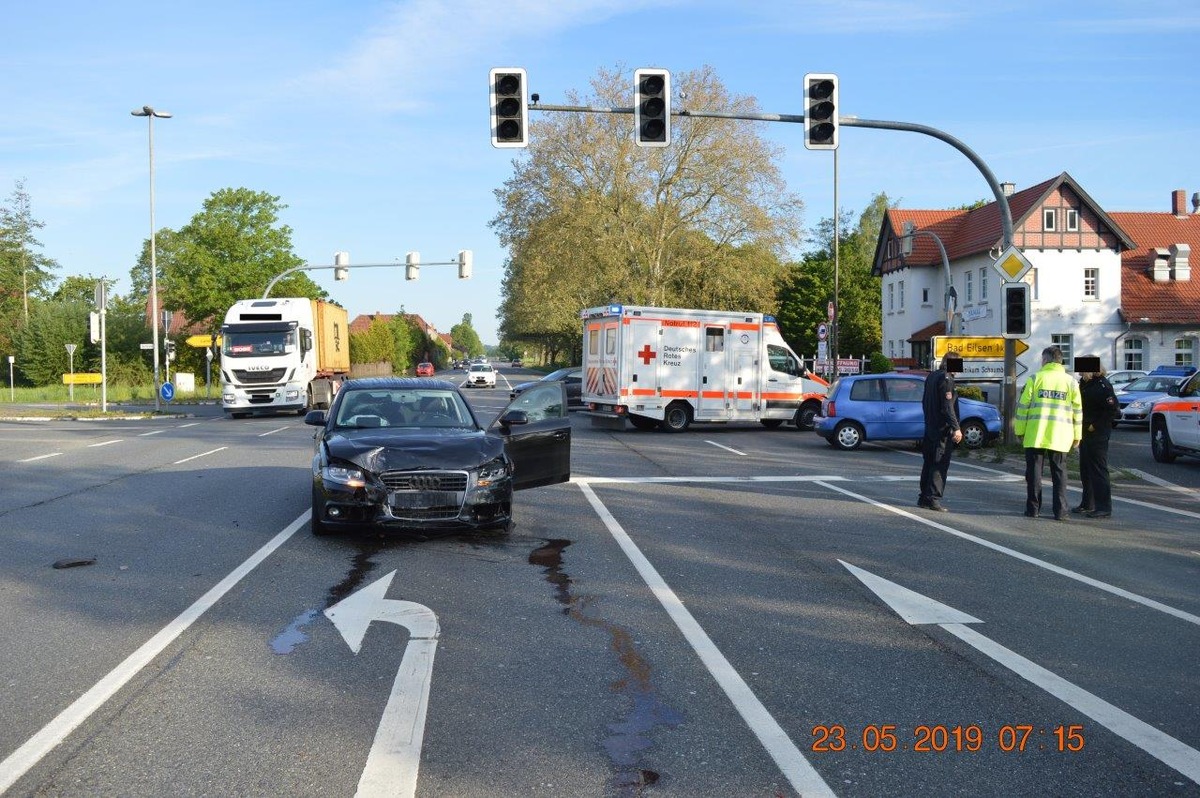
(710, 613)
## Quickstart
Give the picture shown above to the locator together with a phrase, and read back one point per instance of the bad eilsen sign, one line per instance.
(974, 347)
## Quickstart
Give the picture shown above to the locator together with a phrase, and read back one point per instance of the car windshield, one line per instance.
(395, 407)
(481, 367)
(556, 375)
(1159, 384)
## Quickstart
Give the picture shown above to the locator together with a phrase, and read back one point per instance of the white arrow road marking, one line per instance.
(917, 609)
(396, 752)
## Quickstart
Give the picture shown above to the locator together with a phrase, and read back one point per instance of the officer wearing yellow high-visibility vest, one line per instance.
(1049, 421)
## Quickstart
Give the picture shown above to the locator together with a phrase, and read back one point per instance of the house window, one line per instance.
(969, 286)
(1185, 351)
(924, 296)
(902, 295)
(1134, 356)
(891, 348)
(983, 281)
(1031, 278)
(891, 297)
(1072, 220)
(1091, 281)
(1049, 219)
(1063, 342)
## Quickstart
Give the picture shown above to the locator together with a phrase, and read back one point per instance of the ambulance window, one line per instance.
(781, 360)
(594, 341)
(610, 341)
(714, 339)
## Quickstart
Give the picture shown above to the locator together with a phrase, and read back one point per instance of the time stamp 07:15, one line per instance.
(940, 738)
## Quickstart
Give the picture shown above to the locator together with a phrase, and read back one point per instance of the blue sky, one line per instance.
(370, 121)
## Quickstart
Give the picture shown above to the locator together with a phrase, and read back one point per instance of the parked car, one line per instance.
(572, 377)
(1137, 398)
(887, 407)
(425, 369)
(403, 452)
(1119, 378)
(481, 375)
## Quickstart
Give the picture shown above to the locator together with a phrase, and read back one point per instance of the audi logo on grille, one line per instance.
(425, 482)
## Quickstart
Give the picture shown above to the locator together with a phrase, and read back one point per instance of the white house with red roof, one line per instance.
(1113, 284)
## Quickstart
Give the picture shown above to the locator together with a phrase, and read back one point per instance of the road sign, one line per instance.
(848, 365)
(985, 371)
(822, 331)
(166, 391)
(822, 350)
(971, 347)
(1012, 265)
(82, 378)
(200, 341)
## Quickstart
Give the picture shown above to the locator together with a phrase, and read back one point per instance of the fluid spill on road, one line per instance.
(294, 634)
(629, 738)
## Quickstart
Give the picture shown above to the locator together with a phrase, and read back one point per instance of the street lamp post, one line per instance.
(951, 296)
(150, 113)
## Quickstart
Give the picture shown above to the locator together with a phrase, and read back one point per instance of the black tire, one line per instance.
(642, 423)
(319, 528)
(974, 433)
(1160, 442)
(806, 414)
(771, 423)
(678, 417)
(847, 436)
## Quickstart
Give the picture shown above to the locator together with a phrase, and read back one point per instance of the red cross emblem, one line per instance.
(646, 355)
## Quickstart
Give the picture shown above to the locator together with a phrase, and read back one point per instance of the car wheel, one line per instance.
(642, 423)
(771, 423)
(847, 436)
(974, 434)
(678, 418)
(319, 527)
(1160, 443)
(806, 414)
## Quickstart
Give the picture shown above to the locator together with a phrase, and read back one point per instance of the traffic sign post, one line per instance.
(166, 391)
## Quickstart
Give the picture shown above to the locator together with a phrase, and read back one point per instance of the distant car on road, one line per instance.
(516, 363)
(1137, 398)
(1118, 378)
(425, 369)
(571, 376)
(481, 375)
(887, 407)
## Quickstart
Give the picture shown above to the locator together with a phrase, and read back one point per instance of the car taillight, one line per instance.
(830, 409)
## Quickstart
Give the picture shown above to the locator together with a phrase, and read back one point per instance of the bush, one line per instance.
(878, 363)
(970, 392)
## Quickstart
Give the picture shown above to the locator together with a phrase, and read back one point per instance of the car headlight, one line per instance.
(492, 472)
(343, 475)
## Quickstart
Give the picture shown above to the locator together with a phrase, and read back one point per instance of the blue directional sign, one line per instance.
(166, 391)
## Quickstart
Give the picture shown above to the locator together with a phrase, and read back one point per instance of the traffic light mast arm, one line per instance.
(278, 277)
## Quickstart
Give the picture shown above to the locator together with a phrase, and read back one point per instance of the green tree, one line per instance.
(589, 218)
(465, 338)
(41, 345)
(230, 250)
(25, 273)
(373, 345)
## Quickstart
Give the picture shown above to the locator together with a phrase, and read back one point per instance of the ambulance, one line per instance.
(670, 367)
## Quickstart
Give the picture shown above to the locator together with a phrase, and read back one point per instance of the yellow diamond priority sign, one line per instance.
(1012, 265)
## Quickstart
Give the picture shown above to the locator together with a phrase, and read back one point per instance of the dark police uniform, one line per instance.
(940, 403)
(1100, 407)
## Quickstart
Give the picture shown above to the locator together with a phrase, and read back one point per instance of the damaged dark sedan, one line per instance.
(409, 453)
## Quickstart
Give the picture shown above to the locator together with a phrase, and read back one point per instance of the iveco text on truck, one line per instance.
(670, 367)
(282, 354)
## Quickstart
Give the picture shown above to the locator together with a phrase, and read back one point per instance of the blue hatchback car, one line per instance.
(887, 407)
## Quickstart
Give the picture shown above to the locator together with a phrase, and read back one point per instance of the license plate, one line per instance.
(420, 500)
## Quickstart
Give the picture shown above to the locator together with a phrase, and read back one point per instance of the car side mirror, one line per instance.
(1173, 390)
(512, 417)
(315, 418)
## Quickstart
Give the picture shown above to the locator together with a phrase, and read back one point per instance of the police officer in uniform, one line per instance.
(1049, 421)
(942, 433)
(1100, 408)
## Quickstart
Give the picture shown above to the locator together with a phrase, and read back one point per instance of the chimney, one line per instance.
(1159, 266)
(1181, 272)
(1179, 202)
(1008, 189)
(1196, 202)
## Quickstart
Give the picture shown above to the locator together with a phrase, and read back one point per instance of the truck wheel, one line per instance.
(806, 414)
(308, 402)
(642, 423)
(1160, 443)
(771, 423)
(678, 417)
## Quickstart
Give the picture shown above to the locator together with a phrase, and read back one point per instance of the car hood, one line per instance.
(1141, 396)
(409, 449)
(974, 407)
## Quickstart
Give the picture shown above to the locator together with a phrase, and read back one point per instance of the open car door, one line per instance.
(537, 435)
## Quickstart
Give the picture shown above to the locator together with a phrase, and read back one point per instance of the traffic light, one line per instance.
(510, 112)
(651, 107)
(820, 111)
(1014, 310)
(341, 266)
(465, 261)
(412, 265)
(170, 346)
